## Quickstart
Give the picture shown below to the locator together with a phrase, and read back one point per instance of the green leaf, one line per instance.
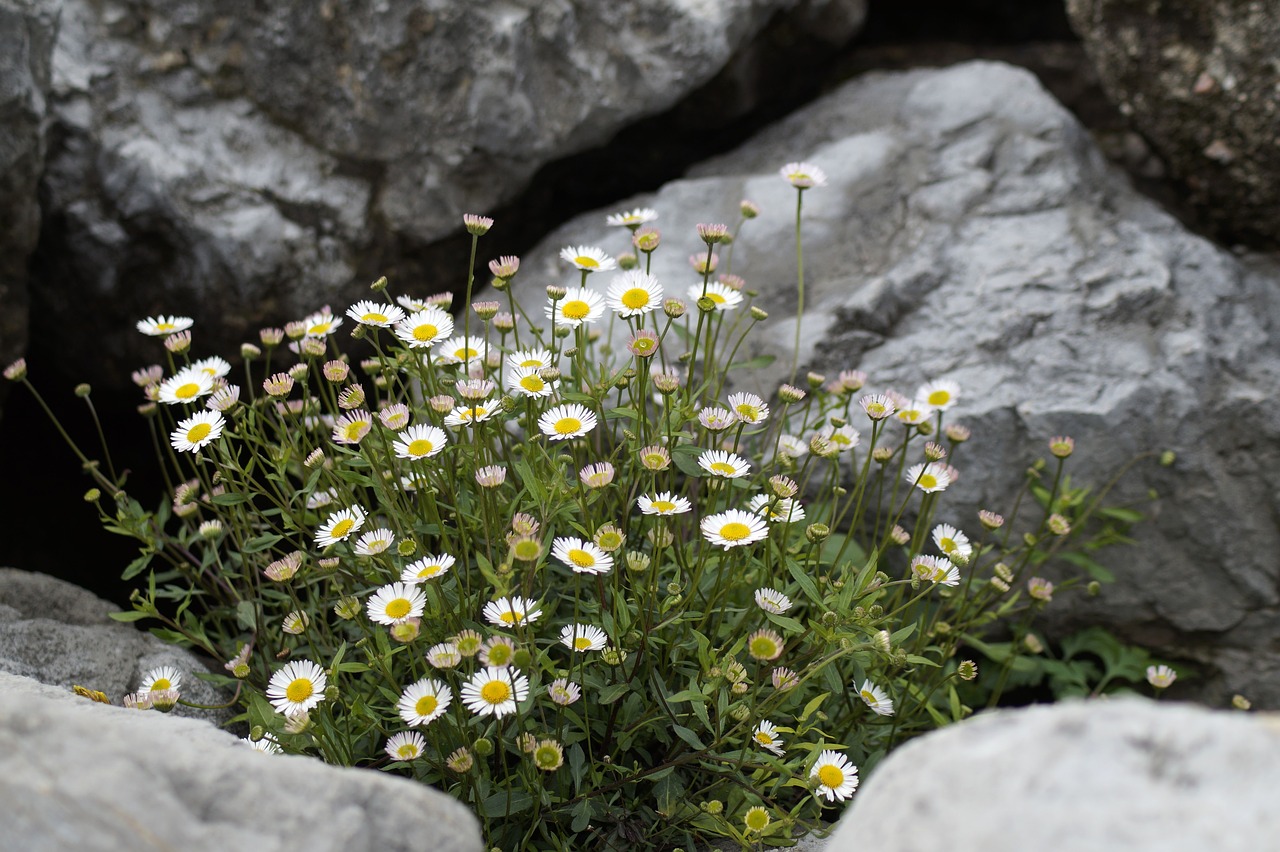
(505, 802)
(688, 736)
(813, 705)
(807, 585)
(686, 458)
(788, 624)
(261, 543)
(1128, 516)
(131, 615)
(231, 499)
(619, 413)
(1096, 570)
(915, 659)
(137, 566)
(613, 692)
(756, 363)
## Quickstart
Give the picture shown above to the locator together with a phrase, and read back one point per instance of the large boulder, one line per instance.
(244, 161)
(1076, 777)
(75, 774)
(27, 30)
(1199, 80)
(972, 231)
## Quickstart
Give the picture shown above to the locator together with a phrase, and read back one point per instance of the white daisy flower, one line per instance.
(803, 175)
(497, 652)
(952, 541)
(297, 687)
(1161, 677)
(634, 293)
(321, 324)
(374, 542)
(526, 381)
(396, 604)
(352, 427)
(716, 419)
(510, 612)
(494, 692)
(187, 385)
(837, 778)
(197, 431)
(563, 692)
(338, 526)
(159, 679)
(876, 698)
(424, 701)
(766, 736)
(724, 463)
(461, 349)
(935, 569)
(772, 601)
(914, 412)
(792, 447)
(588, 258)
(583, 637)
(266, 744)
(424, 328)
(725, 297)
(632, 218)
(734, 528)
(163, 326)
(469, 415)
(370, 313)
(214, 366)
(663, 503)
(406, 746)
(748, 408)
(322, 498)
(567, 421)
(444, 655)
(842, 438)
(428, 567)
(929, 477)
(782, 510)
(535, 359)
(579, 305)
(583, 557)
(939, 395)
(224, 398)
(878, 406)
(420, 442)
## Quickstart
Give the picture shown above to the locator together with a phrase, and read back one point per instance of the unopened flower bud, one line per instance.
(249, 352)
(477, 226)
(1061, 446)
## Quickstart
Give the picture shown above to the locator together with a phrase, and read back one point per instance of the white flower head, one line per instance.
(836, 777)
(494, 691)
(297, 687)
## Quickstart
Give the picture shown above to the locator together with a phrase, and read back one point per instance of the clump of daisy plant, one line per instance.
(539, 552)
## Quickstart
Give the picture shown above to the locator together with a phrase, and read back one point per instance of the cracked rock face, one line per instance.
(972, 231)
(1076, 777)
(1200, 80)
(242, 160)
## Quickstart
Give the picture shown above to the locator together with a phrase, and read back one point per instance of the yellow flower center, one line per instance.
(342, 528)
(420, 447)
(588, 262)
(398, 608)
(165, 326)
(299, 690)
(510, 617)
(831, 776)
(408, 751)
(757, 819)
(568, 425)
(198, 432)
(187, 391)
(875, 409)
(531, 362)
(948, 545)
(635, 298)
(762, 647)
(354, 431)
(499, 655)
(160, 684)
(496, 692)
(582, 643)
(748, 412)
(428, 572)
(928, 480)
(464, 353)
(644, 344)
(533, 384)
(717, 298)
(373, 316)
(763, 738)
(724, 468)
(938, 397)
(575, 309)
(425, 332)
(609, 540)
(426, 705)
(319, 328)
(664, 505)
(581, 558)
(734, 531)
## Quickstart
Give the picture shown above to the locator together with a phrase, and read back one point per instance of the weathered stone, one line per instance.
(62, 635)
(76, 774)
(972, 231)
(27, 29)
(243, 160)
(1076, 777)
(1199, 79)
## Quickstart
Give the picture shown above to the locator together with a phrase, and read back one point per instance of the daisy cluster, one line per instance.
(538, 551)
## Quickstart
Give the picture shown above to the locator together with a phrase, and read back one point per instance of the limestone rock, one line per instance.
(75, 774)
(62, 635)
(27, 29)
(1199, 80)
(972, 231)
(243, 160)
(1076, 777)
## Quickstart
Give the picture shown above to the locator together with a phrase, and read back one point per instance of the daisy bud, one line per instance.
(999, 585)
(278, 385)
(491, 476)
(477, 226)
(522, 659)
(525, 548)
(706, 304)
(934, 451)
(379, 285)
(92, 495)
(817, 532)
(351, 397)
(271, 336)
(295, 330)
(613, 656)
(748, 209)
(956, 433)
(485, 309)
(83, 390)
(882, 454)
(249, 352)
(1033, 644)
(1240, 702)
(314, 347)
(163, 699)
(314, 458)
(1061, 446)
(704, 265)
(968, 669)
(460, 761)
(504, 322)
(178, 343)
(627, 260)
(637, 562)
(899, 535)
(298, 372)
(441, 404)
(740, 712)
(336, 371)
(821, 447)
(712, 234)
(666, 383)
(783, 486)
(505, 267)
(407, 547)
(647, 239)
(990, 520)
(1093, 589)
(210, 530)
(759, 314)
(1167, 458)
(1161, 677)
(791, 394)
(1004, 572)
(713, 807)
(661, 537)
(555, 292)
(1058, 525)
(406, 631)
(17, 371)
(548, 755)
(347, 608)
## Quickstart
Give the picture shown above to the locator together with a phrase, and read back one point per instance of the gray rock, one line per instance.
(76, 774)
(1199, 81)
(27, 29)
(244, 160)
(972, 231)
(1076, 777)
(62, 635)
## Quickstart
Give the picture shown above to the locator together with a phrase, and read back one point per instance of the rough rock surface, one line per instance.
(80, 775)
(62, 635)
(1200, 80)
(972, 231)
(246, 160)
(1076, 777)
(27, 29)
